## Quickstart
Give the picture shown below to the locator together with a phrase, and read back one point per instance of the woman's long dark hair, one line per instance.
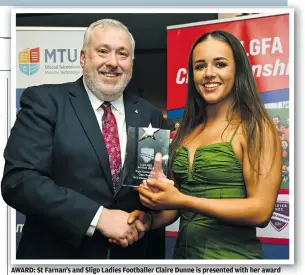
(247, 103)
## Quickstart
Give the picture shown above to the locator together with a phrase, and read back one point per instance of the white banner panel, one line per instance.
(47, 56)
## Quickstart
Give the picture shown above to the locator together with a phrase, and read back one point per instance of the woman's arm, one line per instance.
(255, 210)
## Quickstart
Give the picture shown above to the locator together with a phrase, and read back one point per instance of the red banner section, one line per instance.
(265, 39)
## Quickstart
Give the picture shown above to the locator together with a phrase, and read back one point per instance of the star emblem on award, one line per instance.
(149, 132)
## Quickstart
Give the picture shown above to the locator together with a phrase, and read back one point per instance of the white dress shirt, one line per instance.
(118, 109)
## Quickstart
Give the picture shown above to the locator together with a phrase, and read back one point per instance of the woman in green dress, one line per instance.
(226, 159)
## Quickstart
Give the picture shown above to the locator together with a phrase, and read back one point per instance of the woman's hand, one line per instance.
(157, 171)
(160, 194)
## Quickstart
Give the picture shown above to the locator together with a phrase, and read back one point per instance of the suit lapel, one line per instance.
(132, 115)
(83, 109)
(132, 118)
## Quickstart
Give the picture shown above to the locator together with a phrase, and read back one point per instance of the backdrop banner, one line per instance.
(266, 41)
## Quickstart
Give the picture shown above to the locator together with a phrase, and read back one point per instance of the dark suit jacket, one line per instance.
(57, 174)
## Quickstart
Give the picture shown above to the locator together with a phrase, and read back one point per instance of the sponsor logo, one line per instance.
(29, 61)
(280, 217)
(147, 154)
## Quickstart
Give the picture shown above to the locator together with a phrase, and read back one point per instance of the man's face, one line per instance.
(107, 62)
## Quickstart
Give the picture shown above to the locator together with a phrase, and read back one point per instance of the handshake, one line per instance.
(124, 228)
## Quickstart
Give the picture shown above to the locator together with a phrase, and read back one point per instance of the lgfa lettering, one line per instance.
(268, 45)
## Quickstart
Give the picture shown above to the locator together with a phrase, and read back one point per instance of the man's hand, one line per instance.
(140, 216)
(113, 224)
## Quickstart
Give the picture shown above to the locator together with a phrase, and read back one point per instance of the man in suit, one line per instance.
(64, 155)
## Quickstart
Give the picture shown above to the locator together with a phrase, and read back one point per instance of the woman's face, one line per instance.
(214, 70)
(177, 126)
(276, 120)
(284, 144)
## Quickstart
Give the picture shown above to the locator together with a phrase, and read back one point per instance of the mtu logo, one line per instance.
(29, 61)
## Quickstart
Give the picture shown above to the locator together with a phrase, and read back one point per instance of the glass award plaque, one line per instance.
(143, 143)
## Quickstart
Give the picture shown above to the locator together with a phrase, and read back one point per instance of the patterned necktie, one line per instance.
(112, 142)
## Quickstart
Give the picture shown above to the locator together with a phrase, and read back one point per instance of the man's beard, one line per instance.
(108, 91)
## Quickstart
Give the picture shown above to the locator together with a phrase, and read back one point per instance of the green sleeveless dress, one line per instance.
(216, 174)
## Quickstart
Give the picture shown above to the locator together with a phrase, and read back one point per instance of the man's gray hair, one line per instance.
(103, 23)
